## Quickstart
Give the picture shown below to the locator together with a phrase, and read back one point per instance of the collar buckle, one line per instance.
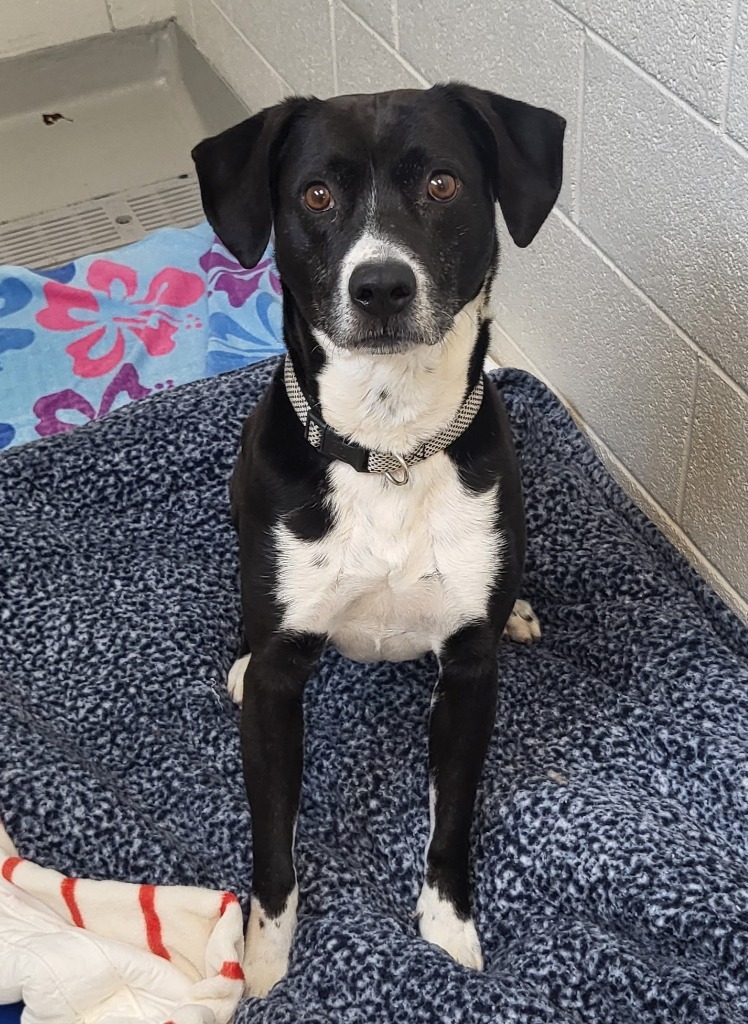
(327, 442)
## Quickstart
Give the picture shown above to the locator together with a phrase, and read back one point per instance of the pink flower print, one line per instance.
(49, 408)
(171, 287)
(239, 284)
(98, 313)
(57, 315)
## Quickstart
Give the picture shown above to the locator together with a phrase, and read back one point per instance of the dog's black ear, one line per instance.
(236, 171)
(524, 146)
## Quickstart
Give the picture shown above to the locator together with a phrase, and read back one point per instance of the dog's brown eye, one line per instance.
(318, 197)
(443, 187)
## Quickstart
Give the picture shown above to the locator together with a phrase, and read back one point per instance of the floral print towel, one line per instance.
(80, 340)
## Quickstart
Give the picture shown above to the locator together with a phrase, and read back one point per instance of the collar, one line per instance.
(369, 460)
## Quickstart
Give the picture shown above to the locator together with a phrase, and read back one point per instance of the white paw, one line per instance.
(268, 946)
(440, 925)
(523, 626)
(235, 684)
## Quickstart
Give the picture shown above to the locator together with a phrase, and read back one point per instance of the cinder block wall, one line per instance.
(633, 301)
(27, 25)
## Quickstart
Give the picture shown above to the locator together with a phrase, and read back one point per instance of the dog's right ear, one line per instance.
(236, 170)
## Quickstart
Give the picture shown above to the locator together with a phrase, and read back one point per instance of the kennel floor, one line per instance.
(95, 141)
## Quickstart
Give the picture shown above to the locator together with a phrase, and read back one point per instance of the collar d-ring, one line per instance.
(402, 474)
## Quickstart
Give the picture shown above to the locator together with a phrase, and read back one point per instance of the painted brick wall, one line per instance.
(27, 25)
(633, 301)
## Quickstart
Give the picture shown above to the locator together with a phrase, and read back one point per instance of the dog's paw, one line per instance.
(523, 626)
(440, 925)
(235, 683)
(260, 976)
(268, 946)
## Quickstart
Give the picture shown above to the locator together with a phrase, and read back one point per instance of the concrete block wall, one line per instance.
(633, 301)
(27, 25)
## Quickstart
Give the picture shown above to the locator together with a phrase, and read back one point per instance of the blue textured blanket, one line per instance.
(610, 844)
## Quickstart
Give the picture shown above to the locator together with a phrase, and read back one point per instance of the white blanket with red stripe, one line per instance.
(115, 953)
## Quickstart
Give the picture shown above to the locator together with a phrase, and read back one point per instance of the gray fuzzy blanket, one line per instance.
(610, 843)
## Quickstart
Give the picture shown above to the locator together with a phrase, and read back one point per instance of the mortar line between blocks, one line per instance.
(730, 62)
(665, 317)
(683, 483)
(662, 519)
(715, 127)
(703, 565)
(251, 46)
(388, 47)
(333, 47)
(536, 371)
(577, 195)
(189, 29)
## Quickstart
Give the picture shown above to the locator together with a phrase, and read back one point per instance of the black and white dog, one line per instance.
(377, 495)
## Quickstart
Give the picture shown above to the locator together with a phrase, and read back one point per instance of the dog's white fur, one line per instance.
(268, 945)
(235, 684)
(440, 925)
(388, 581)
(372, 247)
(523, 626)
(394, 402)
(437, 921)
(403, 567)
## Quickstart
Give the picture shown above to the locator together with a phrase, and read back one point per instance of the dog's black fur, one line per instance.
(375, 153)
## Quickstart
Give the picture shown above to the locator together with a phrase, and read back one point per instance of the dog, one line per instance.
(377, 494)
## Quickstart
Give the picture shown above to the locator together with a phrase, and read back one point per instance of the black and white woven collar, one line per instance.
(369, 460)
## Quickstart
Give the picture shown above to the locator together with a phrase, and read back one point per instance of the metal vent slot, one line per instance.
(59, 236)
(179, 206)
(39, 243)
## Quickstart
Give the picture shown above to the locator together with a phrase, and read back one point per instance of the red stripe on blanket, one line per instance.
(228, 899)
(147, 899)
(67, 888)
(9, 866)
(232, 969)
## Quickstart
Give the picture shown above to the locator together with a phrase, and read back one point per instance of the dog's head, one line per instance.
(383, 205)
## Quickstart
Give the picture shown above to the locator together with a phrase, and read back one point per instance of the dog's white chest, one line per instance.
(401, 569)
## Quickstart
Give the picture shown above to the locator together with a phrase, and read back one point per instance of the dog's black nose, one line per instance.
(382, 289)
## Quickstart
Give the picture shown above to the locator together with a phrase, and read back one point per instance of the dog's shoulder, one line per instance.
(277, 474)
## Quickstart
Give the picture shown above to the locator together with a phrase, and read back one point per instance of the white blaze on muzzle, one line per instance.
(371, 248)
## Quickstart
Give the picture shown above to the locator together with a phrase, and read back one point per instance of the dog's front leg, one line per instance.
(463, 711)
(272, 736)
